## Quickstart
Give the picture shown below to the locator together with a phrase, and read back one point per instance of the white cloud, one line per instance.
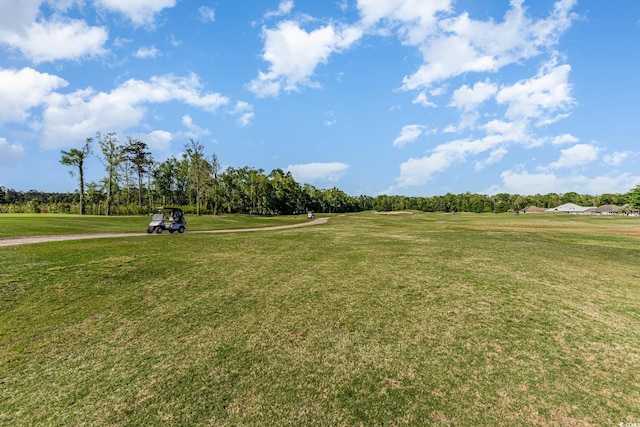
(423, 100)
(578, 155)
(207, 14)
(566, 138)
(265, 85)
(414, 20)
(617, 158)
(17, 15)
(408, 134)
(458, 45)
(438, 91)
(525, 183)
(539, 99)
(71, 117)
(468, 99)
(418, 171)
(147, 52)
(169, 87)
(331, 120)
(158, 140)
(174, 41)
(294, 54)
(121, 41)
(467, 121)
(39, 37)
(455, 44)
(311, 172)
(194, 131)
(615, 183)
(515, 131)
(541, 96)
(139, 12)
(495, 157)
(10, 153)
(284, 8)
(245, 119)
(245, 113)
(447, 57)
(57, 39)
(22, 90)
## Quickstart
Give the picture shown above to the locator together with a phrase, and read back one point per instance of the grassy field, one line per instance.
(414, 319)
(13, 225)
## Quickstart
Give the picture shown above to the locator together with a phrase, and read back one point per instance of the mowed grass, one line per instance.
(14, 225)
(422, 319)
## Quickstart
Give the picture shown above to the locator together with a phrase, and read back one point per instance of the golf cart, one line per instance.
(171, 219)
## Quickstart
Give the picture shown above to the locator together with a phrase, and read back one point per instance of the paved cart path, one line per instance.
(13, 241)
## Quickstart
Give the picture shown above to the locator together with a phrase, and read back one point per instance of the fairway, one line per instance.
(415, 319)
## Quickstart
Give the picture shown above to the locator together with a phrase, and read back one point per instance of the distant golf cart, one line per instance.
(171, 219)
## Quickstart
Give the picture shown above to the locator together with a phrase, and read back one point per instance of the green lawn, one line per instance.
(13, 225)
(421, 319)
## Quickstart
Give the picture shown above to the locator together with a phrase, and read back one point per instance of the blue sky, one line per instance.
(413, 97)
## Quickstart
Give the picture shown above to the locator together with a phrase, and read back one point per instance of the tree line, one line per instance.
(502, 202)
(134, 183)
(249, 191)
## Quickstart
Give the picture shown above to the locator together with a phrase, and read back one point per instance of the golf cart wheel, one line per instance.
(159, 230)
(150, 230)
(181, 230)
(171, 230)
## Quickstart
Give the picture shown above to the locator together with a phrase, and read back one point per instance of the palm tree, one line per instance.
(75, 158)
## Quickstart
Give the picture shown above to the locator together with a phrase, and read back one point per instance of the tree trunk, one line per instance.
(81, 170)
(140, 189)
(109, 184)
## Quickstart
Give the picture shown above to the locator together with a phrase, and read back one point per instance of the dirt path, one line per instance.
(13, 241)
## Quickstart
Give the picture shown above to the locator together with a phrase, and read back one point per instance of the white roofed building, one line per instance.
(570, 208)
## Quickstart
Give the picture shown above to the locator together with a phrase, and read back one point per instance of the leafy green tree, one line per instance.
(138, 154)
(164, 178)
(382, 203)
(501, 202)
(75, 158)
(519, 202)
(634, 197)
(256, 186)
(313, 198)
(571, 197)
(339, 201)
(124, 176)
(607, 199)
(182, 183)
(287, 196)
(112, 157)
(194, 152)
(94, 194)
(229, 180)
(214, 191)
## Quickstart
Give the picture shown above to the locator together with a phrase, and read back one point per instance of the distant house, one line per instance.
(571, 208)
(533, 209)
(606, 210)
